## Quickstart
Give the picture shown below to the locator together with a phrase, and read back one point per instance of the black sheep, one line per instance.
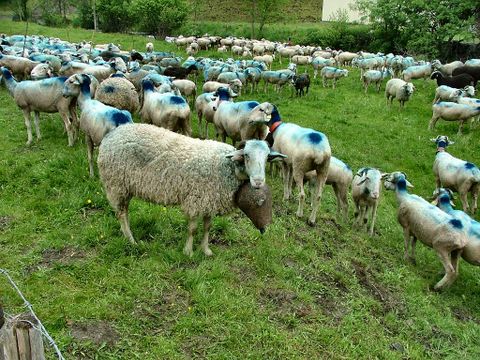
(300, 82)
(473, 71)
(456, 81)
(136, 56)
(179, 72)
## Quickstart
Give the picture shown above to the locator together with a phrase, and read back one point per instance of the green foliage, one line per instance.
(421, 26)
(114, 15)
(84, 16)
(160, 17)
(21, 10)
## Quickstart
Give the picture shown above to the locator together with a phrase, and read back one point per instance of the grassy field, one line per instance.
(294, 293)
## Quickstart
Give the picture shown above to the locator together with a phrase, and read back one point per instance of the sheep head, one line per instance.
(250, 160)
(256, 203)
(442, 141)
(261, 114)
(442, 196)
(392, 179)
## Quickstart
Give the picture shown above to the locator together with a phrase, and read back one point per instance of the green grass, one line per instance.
(294, 293)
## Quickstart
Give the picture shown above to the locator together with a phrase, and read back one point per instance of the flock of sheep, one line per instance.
(160, 162)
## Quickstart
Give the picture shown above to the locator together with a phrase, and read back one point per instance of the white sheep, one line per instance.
(471, 252)
(400, 90)
(19, 66)
(267, 59)
(96, 119)
(340, 178)
(417, 72)
(450, 111)
(149, 47)
(427, 223)
(306, 150)
(447, 93)
(187, 88)
(376, 77)
(42, 96)
(242, 120)
(165, 110)
(204, 106)
(201, 176)
(330, 72)
(366, 190)
(446, 69)
(118, 92)
(456, 174)
(41, 71)
(345, 58)
(212, 86)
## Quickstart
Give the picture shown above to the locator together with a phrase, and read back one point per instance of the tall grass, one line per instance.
(296, 292)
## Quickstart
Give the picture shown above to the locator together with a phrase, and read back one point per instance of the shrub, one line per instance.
(114, 15)
(159, 17)
(84, 16)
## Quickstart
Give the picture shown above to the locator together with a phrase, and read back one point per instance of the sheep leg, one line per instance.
(192, 228)
(450, 275)
(89, 143)
(207, 221)
(460, 127)
(206, 129)
(413, 245)
(68, 128)
(122, 215)
(28, 125)
(298, 177)
(464, 200)
(286, 180)
(199, 115)
(37, 124)
(406, 237)
(322, 173)
(356, 215)
(473, 208)
(432, 123)
(374, 216)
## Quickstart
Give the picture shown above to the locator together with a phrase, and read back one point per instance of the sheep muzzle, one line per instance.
(256, 204)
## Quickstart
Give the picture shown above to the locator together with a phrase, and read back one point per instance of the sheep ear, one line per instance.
(435, 202)
(384, 175)
(433, 140)
(275, 156)
(236, 156)
(409, 184)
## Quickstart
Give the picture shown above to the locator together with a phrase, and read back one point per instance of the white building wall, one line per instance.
(330, 8)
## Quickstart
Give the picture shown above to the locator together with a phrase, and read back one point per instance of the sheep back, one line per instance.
(119, 93)
(163, 167)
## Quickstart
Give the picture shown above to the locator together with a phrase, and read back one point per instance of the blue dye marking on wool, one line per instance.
(120, 118)
(252, 104)
(7, 74)
(469, 165)
(147, 85)
(402, 184)
(442, 143)
(109, 89)
(117, 76)
(176, 100)
(457, 224)
(314, 138)
(275, 116)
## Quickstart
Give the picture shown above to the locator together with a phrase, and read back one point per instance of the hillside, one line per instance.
(240, 11)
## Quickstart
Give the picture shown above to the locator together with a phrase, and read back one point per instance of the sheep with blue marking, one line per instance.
(320, 63)
(376, 77)
(451, 111)
(102, 72)
(417, 72)
(166, 110)
(306, 150)
(204, 178)
(96, 119)
(366, 190)
(447, 93)
(118, 92)
(427, 223)
(456, 174)
(471, 252)
(41, 96)
(239, 121)
(333, 73)
(277, 78)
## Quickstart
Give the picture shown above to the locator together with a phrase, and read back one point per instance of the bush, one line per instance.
(115, 15)
(161, 17)
(84, 16)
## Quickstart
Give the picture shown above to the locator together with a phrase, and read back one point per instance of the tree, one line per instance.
(114, 15)
(21, 10)
(419, 26)
(264, 11)
(160, 17)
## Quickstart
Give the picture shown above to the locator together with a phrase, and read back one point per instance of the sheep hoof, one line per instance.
(188, 251)
(207, 252)
(311, 223)
(299, 214)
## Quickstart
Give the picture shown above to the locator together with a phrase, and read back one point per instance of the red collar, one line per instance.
(275, 126)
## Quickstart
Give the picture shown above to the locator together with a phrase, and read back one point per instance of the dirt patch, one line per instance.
(331, 307)
(384, 296)
(97, 332)
(243, 272)
(5, 222)
(64, 256)
(161, 315)
(464, 315)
